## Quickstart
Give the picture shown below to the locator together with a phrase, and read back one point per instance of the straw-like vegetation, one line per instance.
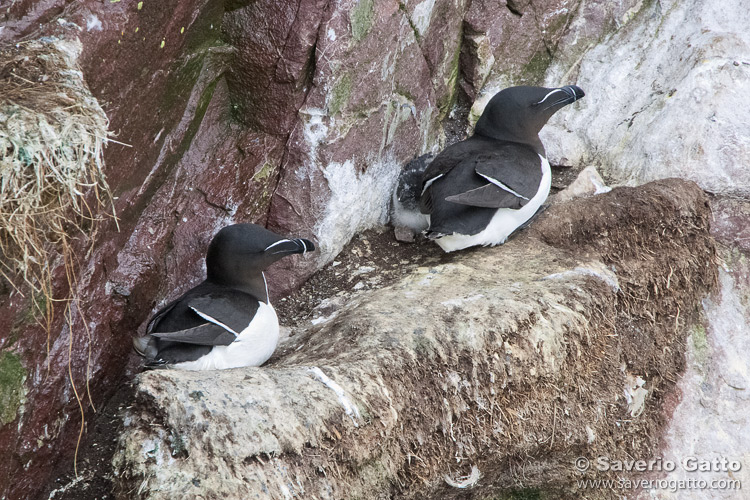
(52, 185)
(52, 131)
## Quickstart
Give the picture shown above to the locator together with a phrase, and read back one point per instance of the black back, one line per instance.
(498, 167)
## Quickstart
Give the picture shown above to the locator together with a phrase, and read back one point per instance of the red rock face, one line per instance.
(294, 114)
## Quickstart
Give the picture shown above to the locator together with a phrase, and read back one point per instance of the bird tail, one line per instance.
(145, 346)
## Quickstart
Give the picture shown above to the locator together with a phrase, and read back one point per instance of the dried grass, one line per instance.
(52, 131)
(52, 184)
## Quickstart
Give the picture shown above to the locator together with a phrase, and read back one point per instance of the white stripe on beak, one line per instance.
(274, 244)
(550, 93)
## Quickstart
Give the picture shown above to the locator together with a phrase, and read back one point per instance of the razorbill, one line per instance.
(227, 320)
(480, 190)
(405, 215)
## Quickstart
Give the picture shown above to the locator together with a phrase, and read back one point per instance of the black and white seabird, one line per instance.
(227, 320)
(480, 190)
(405, 215)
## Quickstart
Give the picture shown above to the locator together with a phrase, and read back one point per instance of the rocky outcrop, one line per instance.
(673, 76)
(495, 369)
(296, 115)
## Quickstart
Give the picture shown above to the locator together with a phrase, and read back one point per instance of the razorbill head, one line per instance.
(480, 190)
(227, 320)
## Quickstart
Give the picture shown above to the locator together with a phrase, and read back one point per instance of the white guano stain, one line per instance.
(93, 23)
(349, 408)
(422, 15)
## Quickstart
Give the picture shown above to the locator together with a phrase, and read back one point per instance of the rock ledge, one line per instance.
(508, 363)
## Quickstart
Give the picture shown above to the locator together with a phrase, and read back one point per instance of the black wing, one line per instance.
(206, 316)
(440, 166)
(482, 172)
(488, 196)
(231, 308)
(153, 323)
(485, 175)
(515, 169)
(207, 334)
(206, 303)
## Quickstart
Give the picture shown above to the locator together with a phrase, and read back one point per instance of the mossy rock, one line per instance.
(360, 18)
(12, 376)
(701, 347)
(340, 94)
(534, 71)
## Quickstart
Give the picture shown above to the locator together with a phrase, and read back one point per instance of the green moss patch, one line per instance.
(700, 344)
(402, 8)
(12, 375)
(446, 103)
(360, 18)
(533, 72)
(264, 173)
(340, 94)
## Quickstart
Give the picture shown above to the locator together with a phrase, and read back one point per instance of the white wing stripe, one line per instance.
(430, 181)
(503, 186)
(213, 320)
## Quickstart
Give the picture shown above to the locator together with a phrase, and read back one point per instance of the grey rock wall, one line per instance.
(667, 96)
(667, 90)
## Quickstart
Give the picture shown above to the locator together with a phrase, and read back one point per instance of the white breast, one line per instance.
(505, 220)
(405, 216)
(253, 346)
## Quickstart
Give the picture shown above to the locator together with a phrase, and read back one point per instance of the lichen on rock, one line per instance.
(12, 377)
(339, 95)
(361, 17)
(692, 114)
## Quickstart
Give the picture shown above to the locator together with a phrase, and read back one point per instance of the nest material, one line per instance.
(52, 131)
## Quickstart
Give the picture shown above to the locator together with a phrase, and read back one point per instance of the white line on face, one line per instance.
(550, 93)
(274, 244)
